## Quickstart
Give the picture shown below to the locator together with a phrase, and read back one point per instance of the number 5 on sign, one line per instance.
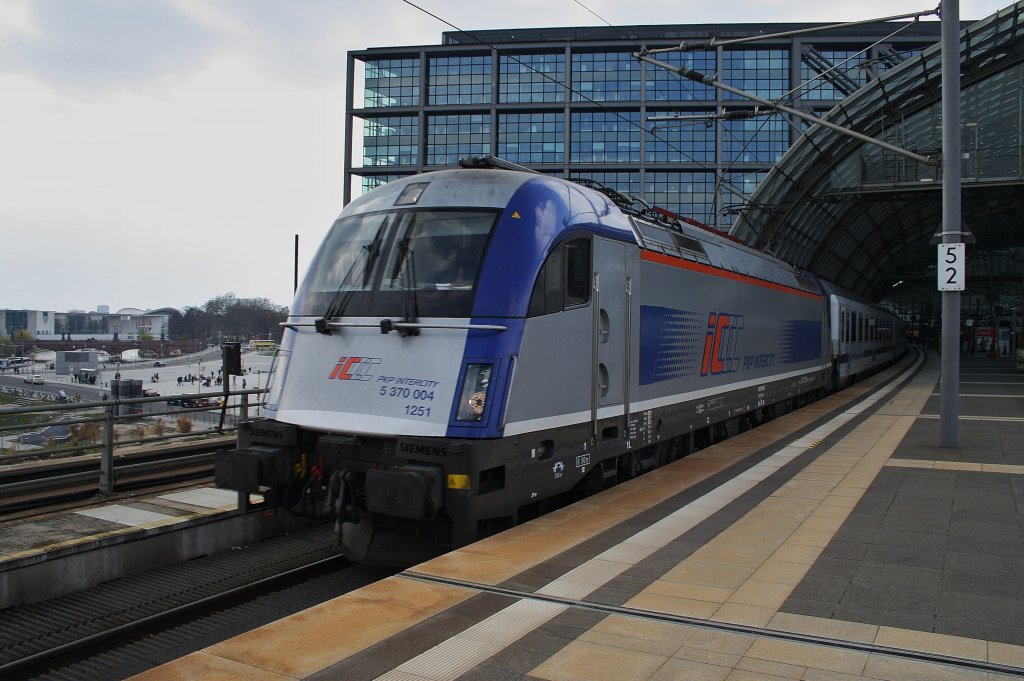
(951, 267)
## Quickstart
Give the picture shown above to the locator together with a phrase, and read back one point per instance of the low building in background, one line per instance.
(126, 324)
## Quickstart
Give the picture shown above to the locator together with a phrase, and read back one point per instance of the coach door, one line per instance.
(611, 327)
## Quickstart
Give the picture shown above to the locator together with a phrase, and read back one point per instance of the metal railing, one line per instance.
(120, 423)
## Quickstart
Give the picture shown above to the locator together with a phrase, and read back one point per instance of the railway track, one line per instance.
(128, 625)
(28, 488)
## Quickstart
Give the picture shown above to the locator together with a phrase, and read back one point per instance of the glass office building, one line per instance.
(575, 102)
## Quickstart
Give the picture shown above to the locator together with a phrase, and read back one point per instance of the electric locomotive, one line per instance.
(470, 345)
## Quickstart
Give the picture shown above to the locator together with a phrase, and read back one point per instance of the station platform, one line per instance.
(836, 542)
(43, 557)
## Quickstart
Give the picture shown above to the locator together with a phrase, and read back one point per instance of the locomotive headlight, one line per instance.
(473, 398)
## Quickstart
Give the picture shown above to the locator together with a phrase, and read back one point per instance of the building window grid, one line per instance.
(691, 141)
(605, 137)
(687, 194)
(391, 82)
(450, 138)
(667, 86)
(527, 139)
(391, 141)
(761, 72)
(459, 80)
(818, 88)
(605, 77)
(531, 78)
(756, 140)
(373, 181)
(532, 137)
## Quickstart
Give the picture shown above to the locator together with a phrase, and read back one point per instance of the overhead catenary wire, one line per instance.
(569, 88)
(708, 44)
(643, 56)
(720, 181)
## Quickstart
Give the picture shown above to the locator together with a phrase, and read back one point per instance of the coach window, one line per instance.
(564, 280)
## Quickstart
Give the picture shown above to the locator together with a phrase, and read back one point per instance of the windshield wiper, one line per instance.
(405, 269)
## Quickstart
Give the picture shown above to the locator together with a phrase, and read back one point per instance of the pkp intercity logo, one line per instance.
(720, 352)
(355, 368)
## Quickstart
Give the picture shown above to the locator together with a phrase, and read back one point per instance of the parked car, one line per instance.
(159, 364)
(35, 379)
(147, 392)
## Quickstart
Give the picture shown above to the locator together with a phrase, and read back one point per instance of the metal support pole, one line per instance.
(107, 458)
(949, 400)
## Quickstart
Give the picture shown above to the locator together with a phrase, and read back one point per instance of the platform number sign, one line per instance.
(951, 267)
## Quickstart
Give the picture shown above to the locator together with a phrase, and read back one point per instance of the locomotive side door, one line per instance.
(610, 330)
(842, 349)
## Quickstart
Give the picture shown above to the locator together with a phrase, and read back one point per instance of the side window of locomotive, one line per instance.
(547, 291)
(577, 272)
(564, 280)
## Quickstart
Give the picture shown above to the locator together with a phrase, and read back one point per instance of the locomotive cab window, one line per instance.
(437, 251)
(370, 263)
(564, 280)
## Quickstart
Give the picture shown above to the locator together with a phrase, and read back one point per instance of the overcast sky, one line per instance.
(163, 152)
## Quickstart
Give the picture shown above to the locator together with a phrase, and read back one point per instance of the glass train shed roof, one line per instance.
(863, 217)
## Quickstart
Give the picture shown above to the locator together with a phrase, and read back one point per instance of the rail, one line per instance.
(108, 427)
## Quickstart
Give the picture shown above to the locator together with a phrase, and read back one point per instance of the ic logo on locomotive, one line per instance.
(720, 355)
(354, 368)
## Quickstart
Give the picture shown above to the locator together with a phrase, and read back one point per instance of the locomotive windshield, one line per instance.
(368, 262)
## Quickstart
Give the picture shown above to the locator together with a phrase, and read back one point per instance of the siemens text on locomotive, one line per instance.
(470, 345)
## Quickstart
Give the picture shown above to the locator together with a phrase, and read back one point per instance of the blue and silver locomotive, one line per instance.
(471, 346)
